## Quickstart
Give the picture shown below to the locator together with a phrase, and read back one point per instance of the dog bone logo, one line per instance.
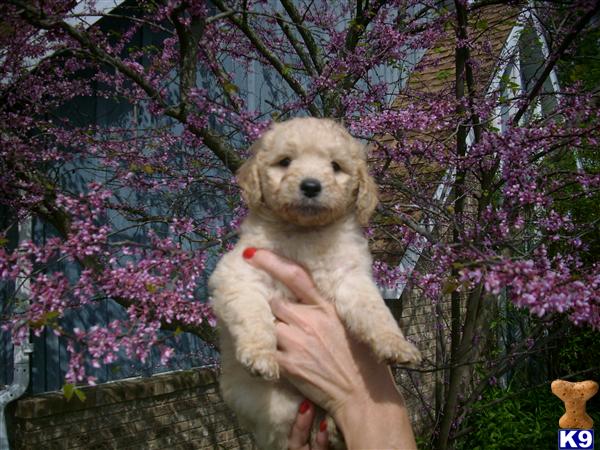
(575, 395)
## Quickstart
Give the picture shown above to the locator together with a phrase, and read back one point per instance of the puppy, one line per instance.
(308, 193)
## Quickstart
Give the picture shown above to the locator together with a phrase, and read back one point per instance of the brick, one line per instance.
(180, 410)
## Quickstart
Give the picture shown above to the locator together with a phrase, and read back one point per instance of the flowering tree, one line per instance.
(160, 200)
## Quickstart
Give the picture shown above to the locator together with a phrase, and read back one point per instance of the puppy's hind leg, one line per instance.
(265, 408)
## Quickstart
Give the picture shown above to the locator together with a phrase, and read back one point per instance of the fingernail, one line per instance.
(304, 406)
(249, 253)
(323, 425)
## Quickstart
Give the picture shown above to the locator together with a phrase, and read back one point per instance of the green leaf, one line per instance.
(286, 71)
(230, 87)
(46, 319)
(51, 315)
(148, 169)
(338, 76)
(80, 395)
(443, 74)
(68, 391)
(513, 86)
(482, 24)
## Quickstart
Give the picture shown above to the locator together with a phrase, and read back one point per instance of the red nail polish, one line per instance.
(323, 425)
(304, 406)
(249, 253)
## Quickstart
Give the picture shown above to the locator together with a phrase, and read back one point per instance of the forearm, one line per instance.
(376, 421)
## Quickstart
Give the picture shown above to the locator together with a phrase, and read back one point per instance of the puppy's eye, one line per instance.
(284, 162)
(336, 166)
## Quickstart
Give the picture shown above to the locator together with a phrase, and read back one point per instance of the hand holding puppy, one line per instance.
(328, 366)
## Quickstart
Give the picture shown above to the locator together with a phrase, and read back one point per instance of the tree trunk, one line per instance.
(456, 371)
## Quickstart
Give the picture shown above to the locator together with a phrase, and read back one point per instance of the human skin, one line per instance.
(300, 434)
(320, 358)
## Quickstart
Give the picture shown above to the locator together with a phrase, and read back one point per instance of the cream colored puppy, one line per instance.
(308, 192)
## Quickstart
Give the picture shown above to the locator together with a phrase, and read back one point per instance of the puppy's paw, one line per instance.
(394, 348)
(259, 362)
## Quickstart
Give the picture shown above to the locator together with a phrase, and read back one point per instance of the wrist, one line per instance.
(375, 419)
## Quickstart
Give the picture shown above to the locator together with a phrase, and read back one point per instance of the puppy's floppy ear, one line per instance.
(247, 174)
(247, 177)
(366, 200)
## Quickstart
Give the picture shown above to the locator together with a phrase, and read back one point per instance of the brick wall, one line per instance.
(184, 410)
(425, 324)
(177, 410)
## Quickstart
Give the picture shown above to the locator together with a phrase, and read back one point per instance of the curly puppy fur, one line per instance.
(308, 192)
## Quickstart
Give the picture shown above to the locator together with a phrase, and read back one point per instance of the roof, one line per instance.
(434, 78)
(488, 30)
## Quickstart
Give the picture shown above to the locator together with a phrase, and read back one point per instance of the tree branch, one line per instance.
(457, 345)
(307, 37)
(188, 56)
(296, 45)
(212, 140)
(277, 64)
(358, 25)
(48, 211)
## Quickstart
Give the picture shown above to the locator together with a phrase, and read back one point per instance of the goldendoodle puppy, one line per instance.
(308, 192)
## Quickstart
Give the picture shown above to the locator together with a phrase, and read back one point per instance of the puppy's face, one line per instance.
(308, 172)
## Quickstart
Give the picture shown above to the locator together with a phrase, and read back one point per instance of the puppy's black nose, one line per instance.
(310, 187)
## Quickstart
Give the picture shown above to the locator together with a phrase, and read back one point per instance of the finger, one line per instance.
(322, 439)
(284, 310)
(283, 334)
(300, 433)
(293, 323)
(289, 273)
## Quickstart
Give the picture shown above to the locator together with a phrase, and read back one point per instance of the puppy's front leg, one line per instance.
(247, 322)
(366, 316)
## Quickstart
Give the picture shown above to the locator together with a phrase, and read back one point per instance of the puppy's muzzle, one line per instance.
(310, 187)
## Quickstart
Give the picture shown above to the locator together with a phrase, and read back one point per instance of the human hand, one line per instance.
(300, 434)
(328, 366)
